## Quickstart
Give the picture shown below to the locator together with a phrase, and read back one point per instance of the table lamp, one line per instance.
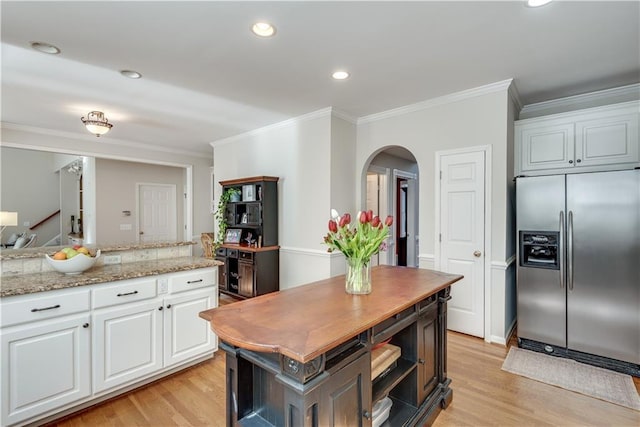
(8, 219)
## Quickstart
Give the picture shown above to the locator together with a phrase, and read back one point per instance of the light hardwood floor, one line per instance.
(483, 395)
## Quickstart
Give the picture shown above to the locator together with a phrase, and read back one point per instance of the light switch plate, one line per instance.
(163, 286)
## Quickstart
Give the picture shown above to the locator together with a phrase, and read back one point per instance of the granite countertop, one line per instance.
(49, 281)
(39, 252)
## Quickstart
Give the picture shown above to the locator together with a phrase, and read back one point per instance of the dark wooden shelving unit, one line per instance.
(251, 268)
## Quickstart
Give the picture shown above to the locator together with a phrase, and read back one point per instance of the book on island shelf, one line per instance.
(383, 358)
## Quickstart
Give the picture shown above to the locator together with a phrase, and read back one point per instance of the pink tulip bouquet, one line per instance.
(358, 242)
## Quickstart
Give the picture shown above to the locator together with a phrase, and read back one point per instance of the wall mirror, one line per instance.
(65, 199)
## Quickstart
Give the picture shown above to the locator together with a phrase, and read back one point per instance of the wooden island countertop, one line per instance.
(307, 321)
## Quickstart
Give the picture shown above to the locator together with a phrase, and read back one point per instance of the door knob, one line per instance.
(477, 254)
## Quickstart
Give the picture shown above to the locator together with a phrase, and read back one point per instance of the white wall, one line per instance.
(30, 186)
(299, 153)
(478, 119)
(33, 138)
(343, 178)
(116, 186)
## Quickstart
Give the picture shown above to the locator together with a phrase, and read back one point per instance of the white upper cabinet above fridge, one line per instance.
(594, 139)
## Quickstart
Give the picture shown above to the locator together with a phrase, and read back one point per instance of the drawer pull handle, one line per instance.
(168, 306)
(367, 415)
(160, 308)
(86, 325)
(194, 281)
(34, 310)
(421, 361)
(128, 293)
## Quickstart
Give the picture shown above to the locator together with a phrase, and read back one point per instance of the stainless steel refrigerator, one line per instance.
(578, 266)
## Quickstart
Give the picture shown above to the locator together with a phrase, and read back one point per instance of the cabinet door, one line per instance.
(230, 214)
(547, 146)
(127, 344)
(222, 273)
(245, 279)
(254, 213)
(45, 365)
(186, 335)
(607, 140)
(427, 351)
(345, 399)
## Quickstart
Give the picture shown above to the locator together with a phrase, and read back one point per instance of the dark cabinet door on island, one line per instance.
(427, 351)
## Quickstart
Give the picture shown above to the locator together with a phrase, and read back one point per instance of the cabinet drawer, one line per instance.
(193, 280)
(222, 252)
(125, 292)
(29, 309)
(393, 324)
(428, 304)
(247, 256)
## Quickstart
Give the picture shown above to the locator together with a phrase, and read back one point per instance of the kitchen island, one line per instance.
(303, 356)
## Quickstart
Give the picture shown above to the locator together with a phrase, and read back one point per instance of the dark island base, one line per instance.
(578, 356)
(336, 388)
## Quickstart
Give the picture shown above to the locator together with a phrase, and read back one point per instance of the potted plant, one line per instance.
(229, 195)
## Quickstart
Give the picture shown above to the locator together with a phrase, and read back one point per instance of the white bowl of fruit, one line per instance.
(73, 260)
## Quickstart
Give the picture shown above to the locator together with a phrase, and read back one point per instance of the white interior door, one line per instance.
(462, 235)
(157, 212)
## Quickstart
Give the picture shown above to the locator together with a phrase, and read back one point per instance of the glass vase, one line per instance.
(358, 278)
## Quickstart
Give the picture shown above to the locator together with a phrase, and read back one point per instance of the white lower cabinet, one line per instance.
(135, 340)
(45, 365)
(61, 349)
(185, 334)
(127, 343)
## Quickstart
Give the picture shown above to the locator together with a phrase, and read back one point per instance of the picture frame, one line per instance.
(248, 193)
(233, 235)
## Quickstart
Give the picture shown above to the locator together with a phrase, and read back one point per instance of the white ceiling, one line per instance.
(207, 77)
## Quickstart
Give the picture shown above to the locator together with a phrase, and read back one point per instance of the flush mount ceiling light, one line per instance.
(263, 29)
(97, 123)
(131, 74)
(340, 75)
(45, 48)
(537, 3)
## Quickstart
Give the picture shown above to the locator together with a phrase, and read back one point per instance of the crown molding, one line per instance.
(279, 125)
(441, 100)
(106, 141)
(631, 91)
(515, 96)
(344, 116)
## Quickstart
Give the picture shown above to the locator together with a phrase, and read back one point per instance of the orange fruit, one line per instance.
(59, 256)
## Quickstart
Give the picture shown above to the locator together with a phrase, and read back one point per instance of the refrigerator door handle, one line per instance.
(561, 250)
(570, 250)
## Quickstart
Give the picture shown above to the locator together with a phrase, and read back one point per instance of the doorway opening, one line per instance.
(401, 223)
(392, 189)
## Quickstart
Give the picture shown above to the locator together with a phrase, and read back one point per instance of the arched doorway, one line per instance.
(391, 176)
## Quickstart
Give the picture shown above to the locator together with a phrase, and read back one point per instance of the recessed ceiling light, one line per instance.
(263, 29)
(131, 74)
(340, 75)
(45, 47)
(537, 3)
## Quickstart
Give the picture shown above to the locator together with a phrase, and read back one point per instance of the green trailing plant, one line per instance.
(220, 214)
